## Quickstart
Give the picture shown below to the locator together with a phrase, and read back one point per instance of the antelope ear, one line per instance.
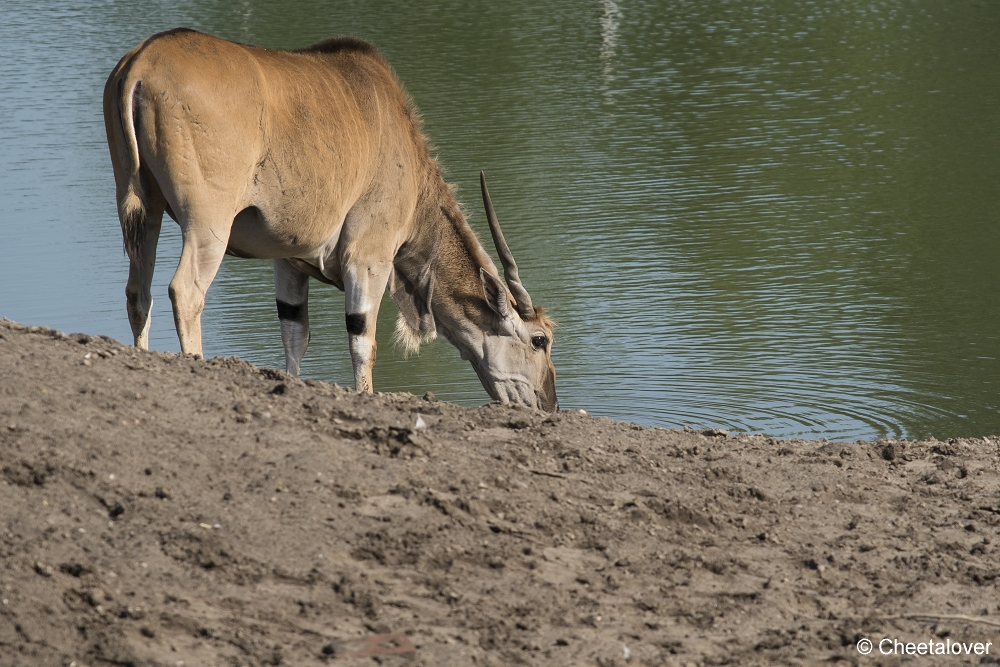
(496, 293)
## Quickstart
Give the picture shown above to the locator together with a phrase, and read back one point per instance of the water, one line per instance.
(778, 218)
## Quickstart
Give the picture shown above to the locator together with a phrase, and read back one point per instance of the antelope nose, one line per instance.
(548, 405)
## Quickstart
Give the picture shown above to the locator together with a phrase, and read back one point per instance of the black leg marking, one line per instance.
(356, 324)
(287, 311)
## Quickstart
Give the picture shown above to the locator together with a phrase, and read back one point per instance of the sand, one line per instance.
(157, 509)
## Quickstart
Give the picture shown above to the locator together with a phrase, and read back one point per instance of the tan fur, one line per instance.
(314, 158)
(542, 319)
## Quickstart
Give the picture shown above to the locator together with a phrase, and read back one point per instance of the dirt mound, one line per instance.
(162, 510)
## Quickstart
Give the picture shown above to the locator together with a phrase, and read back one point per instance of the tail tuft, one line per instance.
(132, 214)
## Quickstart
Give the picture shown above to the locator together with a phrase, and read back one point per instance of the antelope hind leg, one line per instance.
(291, 291)
(138, 299)
(205, 241)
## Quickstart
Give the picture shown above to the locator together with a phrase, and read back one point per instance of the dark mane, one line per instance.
(172, 31)
(341, 43)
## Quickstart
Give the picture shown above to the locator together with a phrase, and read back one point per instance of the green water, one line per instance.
(777, 217)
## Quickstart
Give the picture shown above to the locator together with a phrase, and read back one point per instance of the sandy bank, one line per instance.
(156, 509)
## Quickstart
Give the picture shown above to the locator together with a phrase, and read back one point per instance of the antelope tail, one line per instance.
(132, 197)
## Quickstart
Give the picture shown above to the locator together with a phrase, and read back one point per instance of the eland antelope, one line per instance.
(315, 159)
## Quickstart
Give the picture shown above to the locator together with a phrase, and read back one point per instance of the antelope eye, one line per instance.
(538, 342)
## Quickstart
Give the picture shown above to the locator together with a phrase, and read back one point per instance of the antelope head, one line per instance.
(516, 364)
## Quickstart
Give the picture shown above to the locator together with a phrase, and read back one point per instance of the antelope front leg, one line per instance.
(363, 288)
(291, 289)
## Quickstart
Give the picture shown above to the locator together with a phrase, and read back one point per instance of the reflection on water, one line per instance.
(609, 41)
(778, 217)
